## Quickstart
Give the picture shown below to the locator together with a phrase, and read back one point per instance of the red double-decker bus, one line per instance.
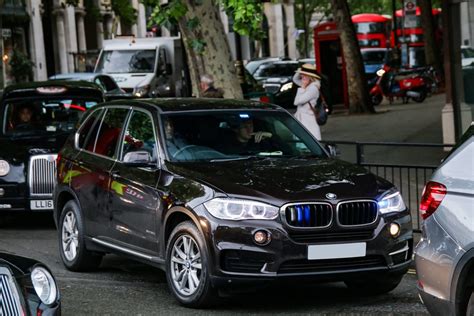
(373, 30)
(411, 40)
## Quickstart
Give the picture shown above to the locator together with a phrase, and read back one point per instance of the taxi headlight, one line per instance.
(44, 284)
(286, 86)
(234, 209)
(4, 168)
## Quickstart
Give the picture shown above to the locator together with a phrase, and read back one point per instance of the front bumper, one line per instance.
(236, 258)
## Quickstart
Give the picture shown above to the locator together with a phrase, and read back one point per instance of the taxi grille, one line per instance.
(356, 213)
(309, 215)
(42, 175)
(9, 300)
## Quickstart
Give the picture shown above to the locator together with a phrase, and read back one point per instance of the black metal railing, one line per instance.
(407, 165)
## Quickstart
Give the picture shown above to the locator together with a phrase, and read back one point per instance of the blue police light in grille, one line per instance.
(308, 215)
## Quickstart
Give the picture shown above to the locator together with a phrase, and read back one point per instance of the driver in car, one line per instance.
(174, 143)
(24, 117)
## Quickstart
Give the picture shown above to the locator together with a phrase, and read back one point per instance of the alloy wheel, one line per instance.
(70, 235)
(186, 265)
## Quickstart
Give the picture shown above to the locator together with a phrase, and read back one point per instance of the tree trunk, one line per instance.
(359, 101)
(216, 58)
(431, 51)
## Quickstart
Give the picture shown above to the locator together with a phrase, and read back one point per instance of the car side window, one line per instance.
(88, 131)
(140, 137)
(109, 132)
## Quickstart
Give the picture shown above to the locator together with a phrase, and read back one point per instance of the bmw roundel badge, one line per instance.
(331, 196)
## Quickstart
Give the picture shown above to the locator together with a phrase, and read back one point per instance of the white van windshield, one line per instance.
(127, 61)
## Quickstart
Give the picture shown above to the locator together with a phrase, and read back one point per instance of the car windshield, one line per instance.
(234, 135)
(127, 61)
(374, 57)
(38, 116)
(276, 70)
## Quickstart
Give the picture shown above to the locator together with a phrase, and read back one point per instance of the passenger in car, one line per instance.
(245, 140)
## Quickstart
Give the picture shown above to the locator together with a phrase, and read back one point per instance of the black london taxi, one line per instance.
(224, 193)
(36, 118)
(27, 287)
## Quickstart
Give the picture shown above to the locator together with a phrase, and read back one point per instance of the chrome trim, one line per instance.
(42, 175)
(8, 286)
(113, 246)
(404, 249)
(283, 215)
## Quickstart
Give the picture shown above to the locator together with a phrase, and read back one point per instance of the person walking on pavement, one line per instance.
(208, 89)
(309, 82)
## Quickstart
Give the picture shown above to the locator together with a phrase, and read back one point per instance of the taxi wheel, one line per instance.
(187, 267)
(72, 247)
(375, 286)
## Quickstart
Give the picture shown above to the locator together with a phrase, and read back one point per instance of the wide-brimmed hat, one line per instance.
(309, 70)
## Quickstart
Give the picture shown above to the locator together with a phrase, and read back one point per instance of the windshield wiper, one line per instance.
(232, 159)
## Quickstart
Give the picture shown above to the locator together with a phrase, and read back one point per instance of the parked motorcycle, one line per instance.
(394, 84)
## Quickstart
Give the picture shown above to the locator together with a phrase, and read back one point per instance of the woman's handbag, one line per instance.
(320, 111)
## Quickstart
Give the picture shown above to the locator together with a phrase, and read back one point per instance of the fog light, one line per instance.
(394, 229)
(261, 237)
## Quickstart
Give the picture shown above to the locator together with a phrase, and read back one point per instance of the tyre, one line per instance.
(470, 305)
(187, 267)
(72, 247)
(420, 98)
(376, 99)
(376, 285)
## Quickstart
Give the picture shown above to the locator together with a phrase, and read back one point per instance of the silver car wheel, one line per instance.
(70, 236)
(186, 265)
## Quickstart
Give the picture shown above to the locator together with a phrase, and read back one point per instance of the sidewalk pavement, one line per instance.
(412, 122)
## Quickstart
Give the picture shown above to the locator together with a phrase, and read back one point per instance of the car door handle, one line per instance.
(115, 174)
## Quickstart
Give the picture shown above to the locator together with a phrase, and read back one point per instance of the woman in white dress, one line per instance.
(307, 95)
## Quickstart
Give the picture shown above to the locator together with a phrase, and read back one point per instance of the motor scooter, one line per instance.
(394, 84)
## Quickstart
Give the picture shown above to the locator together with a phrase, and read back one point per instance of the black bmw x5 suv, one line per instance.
(224, 193)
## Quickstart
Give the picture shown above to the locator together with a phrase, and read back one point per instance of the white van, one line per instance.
(145, 67)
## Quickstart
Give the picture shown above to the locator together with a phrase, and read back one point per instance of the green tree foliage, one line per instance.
(21, 65)
(247, 17)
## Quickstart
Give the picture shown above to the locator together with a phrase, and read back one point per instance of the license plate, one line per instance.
(41, 204)
(337, 251)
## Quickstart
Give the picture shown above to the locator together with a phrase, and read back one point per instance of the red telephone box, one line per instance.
(330, 61)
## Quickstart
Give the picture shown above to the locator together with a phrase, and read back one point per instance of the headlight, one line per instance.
(392, 203)
(44, 285)
(240, 209)
(4, 168)
(141, 91)
(380, 72)
(286, 86)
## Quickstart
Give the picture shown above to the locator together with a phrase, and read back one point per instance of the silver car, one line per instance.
(445, 254)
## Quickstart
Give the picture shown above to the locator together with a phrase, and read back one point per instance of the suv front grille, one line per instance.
(9, 299)
(355, 213)
(299, 266)
(308, 215)
(42, 175)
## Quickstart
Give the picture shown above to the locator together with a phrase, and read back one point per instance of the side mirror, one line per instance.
(140, 157)
(332, 150)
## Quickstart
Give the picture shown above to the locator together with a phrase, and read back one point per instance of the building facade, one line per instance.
(63, 36)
